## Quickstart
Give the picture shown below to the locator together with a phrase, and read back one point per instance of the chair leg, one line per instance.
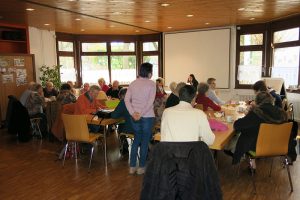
(289, 174)
(66, 148)
(75, 150)
(252, 174)
(91, 156)
(271, 167)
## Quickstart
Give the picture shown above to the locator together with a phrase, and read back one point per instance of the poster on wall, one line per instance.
(21, 81)
(21, 77)
(4, 63)
(21, 73)
(19, 62)
(11, 70)
(7, 78)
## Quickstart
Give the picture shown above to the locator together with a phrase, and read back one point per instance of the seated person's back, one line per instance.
(183, 123)
(122, 112)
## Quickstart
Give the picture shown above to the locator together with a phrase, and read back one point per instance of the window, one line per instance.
(151, 55)
(94, 67)
(286, 56)
(67, 69)
(66, 59)
(123, 69)
(94, 47)
(250, 62)
(122, 47)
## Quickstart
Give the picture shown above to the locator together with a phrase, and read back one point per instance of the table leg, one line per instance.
(105, 147)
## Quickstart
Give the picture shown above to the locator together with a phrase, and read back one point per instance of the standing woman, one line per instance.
(139, 103)
(192, 81)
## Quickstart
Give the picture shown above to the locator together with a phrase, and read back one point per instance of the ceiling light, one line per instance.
(112, 26)
(207, 23)
(169, 27)
(77, 19)
(82, 30)
(47, 24)
(72, 0)
(165, 4)
(252, 18)
(137, 31)
(241, 9)
(147, 21)
(190, 15)
(116, 13)
(30, 9)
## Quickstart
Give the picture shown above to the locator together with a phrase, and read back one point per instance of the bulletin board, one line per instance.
(16, 71)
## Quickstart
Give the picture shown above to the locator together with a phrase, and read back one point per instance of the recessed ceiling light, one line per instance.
(30, 9)
(82, 30)
(165, 4)
(112, 26)
(190, 15)
(147, 21)
(47, 24)
(77, 19)
(116, 13)
(169, 27)
(241, 9)
(207, 23)
(137, 31)
(72, 0)
(252, 18)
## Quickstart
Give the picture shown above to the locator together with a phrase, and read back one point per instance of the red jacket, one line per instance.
(104, 88)
(207, 103)
(84, 106)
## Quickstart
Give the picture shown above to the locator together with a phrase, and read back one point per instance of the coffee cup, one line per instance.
(229, 118)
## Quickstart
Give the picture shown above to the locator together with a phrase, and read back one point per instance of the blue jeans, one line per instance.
(142, 135)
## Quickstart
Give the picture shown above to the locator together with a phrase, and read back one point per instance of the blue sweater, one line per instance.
(122, 112)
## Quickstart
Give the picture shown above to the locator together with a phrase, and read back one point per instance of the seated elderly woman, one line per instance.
(49, 90)
(113, 92)
(264, 111)
(86, 87)
(173, 98)
(35, 104)
(102, 84)
(204, 100)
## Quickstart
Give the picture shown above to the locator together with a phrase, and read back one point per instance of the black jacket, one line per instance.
(181, 170)
(18, 121)
(172, 100)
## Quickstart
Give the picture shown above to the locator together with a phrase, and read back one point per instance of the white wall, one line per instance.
(43, 46)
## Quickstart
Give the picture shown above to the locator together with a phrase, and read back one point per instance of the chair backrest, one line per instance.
(273, 139)
(102, 96)
(76, 127)
(199, 106)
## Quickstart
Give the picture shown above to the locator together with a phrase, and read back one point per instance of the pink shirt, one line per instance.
(140, 97)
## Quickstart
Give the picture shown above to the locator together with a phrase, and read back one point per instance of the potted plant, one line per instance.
(50, 74)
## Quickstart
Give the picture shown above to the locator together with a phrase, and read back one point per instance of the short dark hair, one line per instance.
(122, 92)
(203, 88)
(260, 86)
(210, 80)
(145, 69)
(65, 86)
(187, 93)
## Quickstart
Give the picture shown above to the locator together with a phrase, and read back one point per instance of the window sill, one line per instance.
(293, 91)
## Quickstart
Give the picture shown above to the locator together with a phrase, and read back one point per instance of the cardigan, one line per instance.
(207, 103)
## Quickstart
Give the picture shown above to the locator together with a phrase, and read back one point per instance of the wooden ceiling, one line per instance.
(133, 17)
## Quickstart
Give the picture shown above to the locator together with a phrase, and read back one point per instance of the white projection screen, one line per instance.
(204, 53)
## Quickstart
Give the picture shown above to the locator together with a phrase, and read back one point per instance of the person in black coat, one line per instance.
(181, 170)
(263, 111)
(192, 81)
(113, 91)
(173, 98)
(49, 90)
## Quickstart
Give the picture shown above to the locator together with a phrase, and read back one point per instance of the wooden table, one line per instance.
(105, 122)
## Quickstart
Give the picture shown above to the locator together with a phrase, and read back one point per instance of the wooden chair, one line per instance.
(35, 125)
(199, 106)
(77, 131)
(272, 141)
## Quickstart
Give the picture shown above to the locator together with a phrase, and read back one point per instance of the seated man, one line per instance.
(26, 93)
(35, 104)
(260, 86)
(183, 123)
(263, 111)
(204, 100)
(212, 91)
(49, 90)
(113, 92)
(86, 87)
